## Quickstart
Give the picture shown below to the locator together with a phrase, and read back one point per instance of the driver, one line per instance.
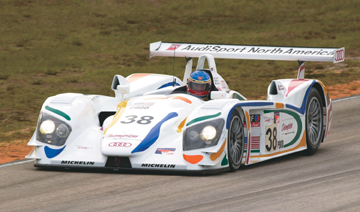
(199, 84)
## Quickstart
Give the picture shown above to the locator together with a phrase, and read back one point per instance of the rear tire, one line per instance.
(235, 141)
(314, 122)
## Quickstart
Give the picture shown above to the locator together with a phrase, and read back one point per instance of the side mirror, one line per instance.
(120, 86)
(218, 95)
(125, 89)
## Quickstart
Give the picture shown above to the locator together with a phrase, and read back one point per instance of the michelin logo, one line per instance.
(67, 162)
(148, 165)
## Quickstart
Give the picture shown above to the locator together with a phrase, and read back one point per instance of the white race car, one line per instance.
(152, 123)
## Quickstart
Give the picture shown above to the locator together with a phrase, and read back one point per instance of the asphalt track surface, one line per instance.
(327, 181)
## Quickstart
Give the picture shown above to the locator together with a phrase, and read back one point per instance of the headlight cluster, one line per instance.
(203, 135)
(51, 130)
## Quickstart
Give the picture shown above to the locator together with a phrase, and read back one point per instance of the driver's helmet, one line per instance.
(199, 84)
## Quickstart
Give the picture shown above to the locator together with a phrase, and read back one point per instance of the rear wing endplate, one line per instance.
(164, 49)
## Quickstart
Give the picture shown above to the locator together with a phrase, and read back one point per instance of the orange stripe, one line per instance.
(155, 98)
(325, 91)
(215, 156)
(121, 108)
(173, 97)
(181, 126)
(136, 77)
(193, 159)
(279, 105)
(301, 144)
(248, 120)
(183, 98)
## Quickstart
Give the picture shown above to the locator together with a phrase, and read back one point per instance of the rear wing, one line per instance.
(163, 49)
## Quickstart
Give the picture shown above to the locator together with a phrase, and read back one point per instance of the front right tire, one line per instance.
(236, 141)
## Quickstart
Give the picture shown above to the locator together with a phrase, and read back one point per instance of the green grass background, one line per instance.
(55, 46)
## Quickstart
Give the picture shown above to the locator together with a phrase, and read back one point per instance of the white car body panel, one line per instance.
(147, 131)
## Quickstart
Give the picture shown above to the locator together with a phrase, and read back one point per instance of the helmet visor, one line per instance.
(199, 86)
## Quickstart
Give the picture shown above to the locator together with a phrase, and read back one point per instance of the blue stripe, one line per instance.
(303, 105)
(153, 134)
(51, 153)
(168, 84)
(255, 104)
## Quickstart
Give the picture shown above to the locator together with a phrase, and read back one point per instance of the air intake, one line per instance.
(118, 162)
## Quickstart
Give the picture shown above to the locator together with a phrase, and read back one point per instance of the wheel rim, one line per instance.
(236, 138)
(314, 120)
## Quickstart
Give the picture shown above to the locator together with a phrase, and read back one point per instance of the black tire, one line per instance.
(314, 122)
(236, 140)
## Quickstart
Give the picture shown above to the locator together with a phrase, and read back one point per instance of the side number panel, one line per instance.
(271, 138)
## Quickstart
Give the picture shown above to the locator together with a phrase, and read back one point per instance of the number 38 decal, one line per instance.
(271, 139)
(141, 120)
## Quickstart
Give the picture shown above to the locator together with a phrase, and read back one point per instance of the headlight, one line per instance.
(47, 127)
(203, 135)
(52, 130)
(208, 133)
(62, 131)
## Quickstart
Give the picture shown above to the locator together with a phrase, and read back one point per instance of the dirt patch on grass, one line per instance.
(15, 150)
(343, 90)
(18, 149)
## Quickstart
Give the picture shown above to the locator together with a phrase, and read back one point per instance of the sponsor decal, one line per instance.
(151, 165)
(255, 124)
(257, 50)
(280, 87)
(216, 80)
(281, 144)
(126, 136)
(255, 120)
(276, 117)
(255, 142)
(84, 147)
(68, 162)
(173, 47)
(120, 144)
(267, 119)
(223, 85)
(165, 151)
(141, 105)
(286, 127)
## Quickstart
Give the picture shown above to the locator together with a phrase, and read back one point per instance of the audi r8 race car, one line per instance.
(153, 123)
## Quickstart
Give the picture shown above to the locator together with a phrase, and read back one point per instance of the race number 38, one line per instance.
(271, 138)
(140, 120)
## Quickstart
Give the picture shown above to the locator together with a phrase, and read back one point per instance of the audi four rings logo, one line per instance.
(120, 144)
(339, 56)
